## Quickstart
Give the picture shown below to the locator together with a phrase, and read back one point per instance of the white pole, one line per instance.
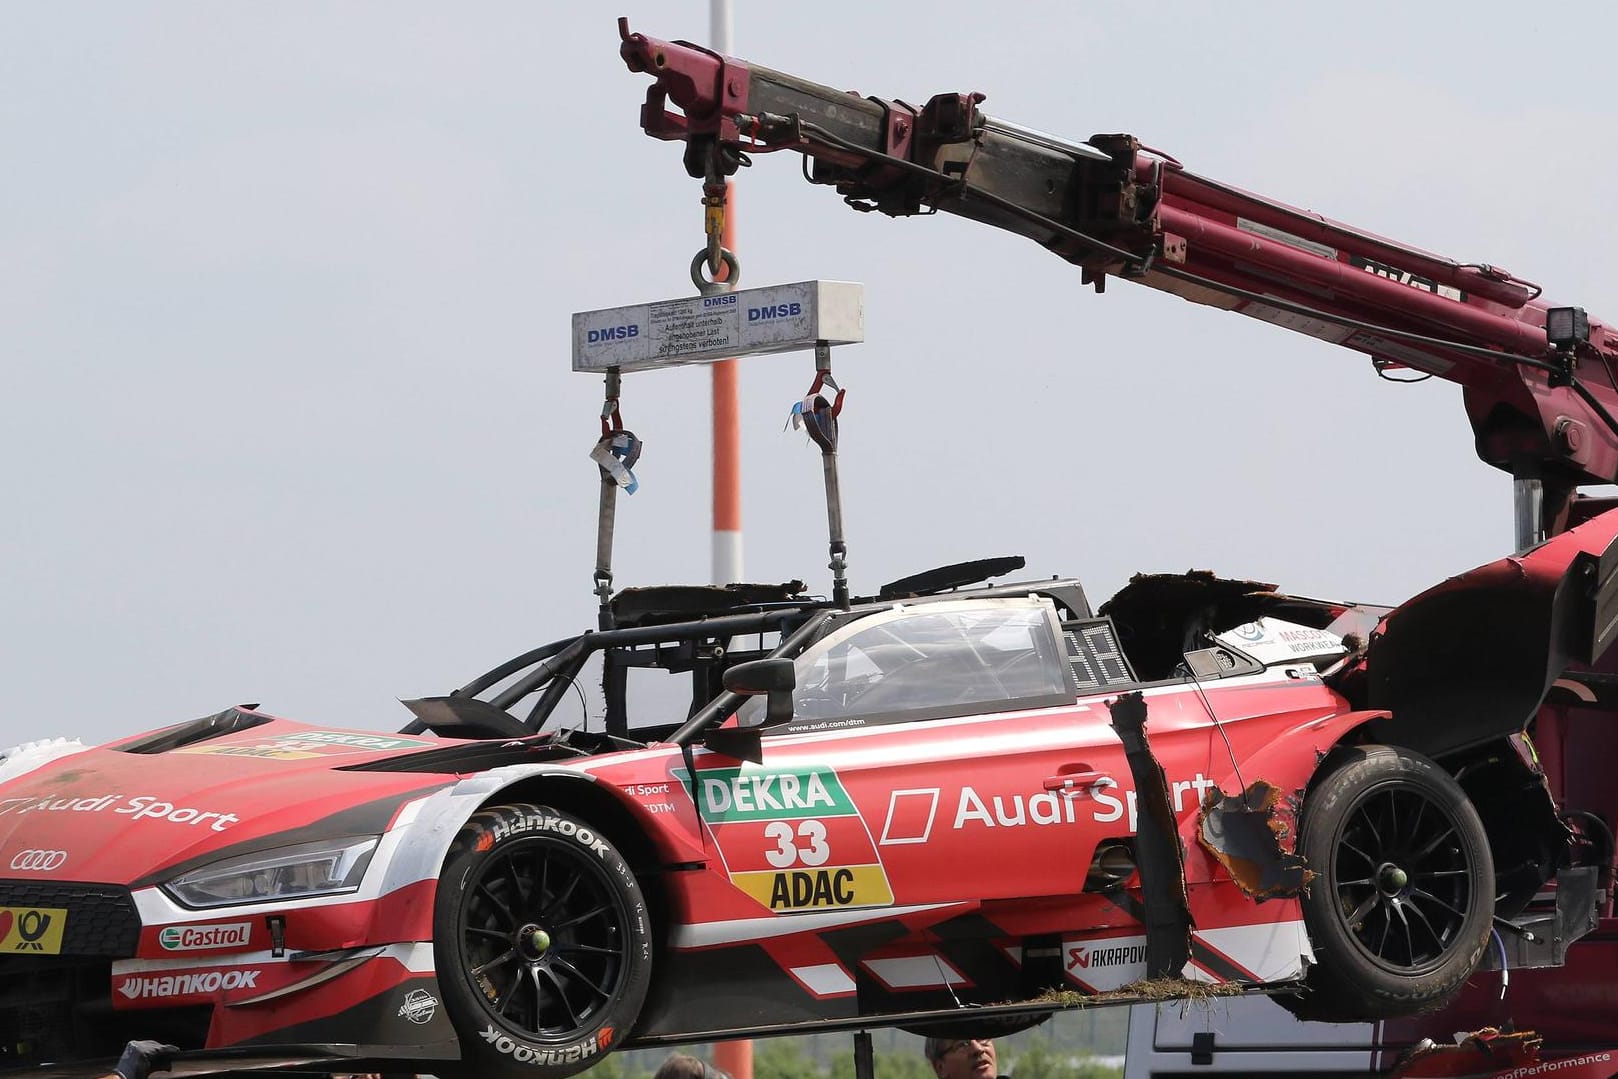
(719, 26)
(727, 466)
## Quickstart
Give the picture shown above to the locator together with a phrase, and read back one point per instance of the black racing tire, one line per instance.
(542, 943)
(1402, 902)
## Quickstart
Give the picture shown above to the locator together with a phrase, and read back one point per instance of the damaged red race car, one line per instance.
(948, 806)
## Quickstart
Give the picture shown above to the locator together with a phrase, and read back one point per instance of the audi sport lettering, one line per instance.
(1012, 810)
(160, 986)
(39, 861)
(139, 807)
(201, 938)
(80, 805)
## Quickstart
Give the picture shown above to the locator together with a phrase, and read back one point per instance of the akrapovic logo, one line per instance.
(562, 1054)
(39, 861)
(613, 333)
(202, 938)
(1086, 958)
(160, 986)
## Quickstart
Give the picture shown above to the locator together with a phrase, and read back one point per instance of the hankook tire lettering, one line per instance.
(525, 1054)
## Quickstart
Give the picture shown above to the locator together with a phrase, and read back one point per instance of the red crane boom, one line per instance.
(1538, 380)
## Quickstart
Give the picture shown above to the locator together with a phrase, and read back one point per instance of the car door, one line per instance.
(923, 741)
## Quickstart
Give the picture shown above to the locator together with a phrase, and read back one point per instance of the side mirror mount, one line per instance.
(1205, 663)
(775, 679)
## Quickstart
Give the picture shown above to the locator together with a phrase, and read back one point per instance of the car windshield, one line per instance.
(932, 660)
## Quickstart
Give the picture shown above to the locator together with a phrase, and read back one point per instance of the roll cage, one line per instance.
(518, 698)
(1139, 637)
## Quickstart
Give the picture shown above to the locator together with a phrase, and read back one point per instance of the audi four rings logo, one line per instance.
(41, 861)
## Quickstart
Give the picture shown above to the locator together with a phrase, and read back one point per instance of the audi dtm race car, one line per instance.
(944, 807)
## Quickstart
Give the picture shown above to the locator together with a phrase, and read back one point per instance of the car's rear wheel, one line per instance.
(543, 944)
(1402, 902)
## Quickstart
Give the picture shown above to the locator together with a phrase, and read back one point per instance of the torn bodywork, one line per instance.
(1251, 835)
(1471, 660)
(1165, 615)
(1157, 845)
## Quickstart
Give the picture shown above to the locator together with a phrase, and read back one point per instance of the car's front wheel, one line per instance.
(543, 945)
(1402, 902)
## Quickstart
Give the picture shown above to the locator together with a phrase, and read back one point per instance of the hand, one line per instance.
(141, 1058)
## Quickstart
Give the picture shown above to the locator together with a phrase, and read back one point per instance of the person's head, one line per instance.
(961, 1058)
(684, 1066)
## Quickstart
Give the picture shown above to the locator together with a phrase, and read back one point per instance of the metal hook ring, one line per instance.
(733, 268)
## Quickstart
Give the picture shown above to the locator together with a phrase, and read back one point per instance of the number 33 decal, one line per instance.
(806, 845)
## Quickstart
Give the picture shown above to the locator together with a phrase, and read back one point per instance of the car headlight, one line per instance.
(324, 867)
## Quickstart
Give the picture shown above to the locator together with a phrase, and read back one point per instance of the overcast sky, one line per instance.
(285, 294)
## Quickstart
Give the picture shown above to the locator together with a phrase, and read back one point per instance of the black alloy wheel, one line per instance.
(543, 941)
(1401, 875)
(1402, 902)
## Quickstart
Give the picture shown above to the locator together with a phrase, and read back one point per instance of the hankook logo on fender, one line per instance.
(138, 986)
(40, 861)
